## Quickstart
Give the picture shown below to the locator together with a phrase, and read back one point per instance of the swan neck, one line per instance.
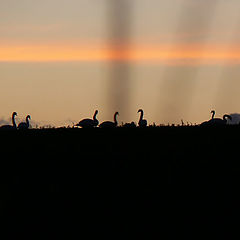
(141, 116)
(95, 116)
(213, 114)
(13, 121)
(27, 121)
(115, 119)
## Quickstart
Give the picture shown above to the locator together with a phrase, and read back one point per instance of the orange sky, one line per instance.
(183, 57)
(161, 53)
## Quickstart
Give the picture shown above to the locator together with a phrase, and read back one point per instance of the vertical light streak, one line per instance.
(119, 38)
(228, 89)
(177, 92)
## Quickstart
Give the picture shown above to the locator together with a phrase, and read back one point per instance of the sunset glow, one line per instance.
(166, 54)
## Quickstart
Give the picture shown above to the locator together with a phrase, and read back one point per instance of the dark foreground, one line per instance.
(153, 183)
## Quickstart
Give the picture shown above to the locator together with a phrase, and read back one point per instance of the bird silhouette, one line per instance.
(109, 124)
(142, 122)
(24, 125)
(10, 127)
(216, 121)
(208, 123)
(89, 123)
(219, 121)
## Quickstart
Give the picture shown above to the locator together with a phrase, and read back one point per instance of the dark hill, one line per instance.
(120, 183)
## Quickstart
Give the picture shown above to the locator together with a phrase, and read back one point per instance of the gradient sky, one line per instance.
(62, 59)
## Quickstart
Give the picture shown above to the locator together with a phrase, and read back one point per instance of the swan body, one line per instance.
(109, 124)
(130, 125)
(10, 127)
(142, 122)
(24, 125)
(204, 124)
(89, 123)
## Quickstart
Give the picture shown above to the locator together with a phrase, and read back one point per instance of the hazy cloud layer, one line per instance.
(235, 118)
(3, 121)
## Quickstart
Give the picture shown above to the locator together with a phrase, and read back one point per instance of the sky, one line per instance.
(60, 60)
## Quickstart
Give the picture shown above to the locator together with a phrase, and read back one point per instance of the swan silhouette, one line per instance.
(10, 127)
(216, 121)
(89, 123)
(24, 125)
(207, 123)
(142, 122)
(219, 121)
(109, 124)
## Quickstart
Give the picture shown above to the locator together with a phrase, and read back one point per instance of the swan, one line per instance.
(109, 124)
(10, 127)
(24, 125)
(142, 122)
(89, 123)
(207, 123)
(216, 121)
(219, 121)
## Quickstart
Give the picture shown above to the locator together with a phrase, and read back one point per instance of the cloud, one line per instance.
(3, 121)
(235, 118)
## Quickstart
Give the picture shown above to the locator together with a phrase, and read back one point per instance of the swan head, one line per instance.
(227, 116)
(28, 117)
(140, 111)
(213, 113)
(14, 114)
(116, 113)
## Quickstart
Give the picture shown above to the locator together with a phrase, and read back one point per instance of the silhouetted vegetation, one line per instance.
(120, 183)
